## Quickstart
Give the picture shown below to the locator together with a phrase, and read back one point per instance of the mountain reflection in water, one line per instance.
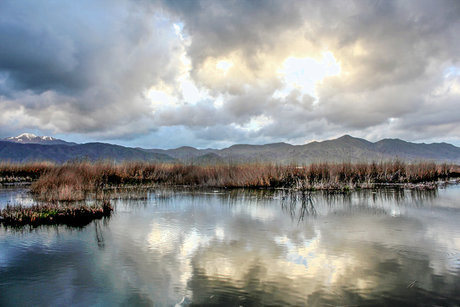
(239, 247)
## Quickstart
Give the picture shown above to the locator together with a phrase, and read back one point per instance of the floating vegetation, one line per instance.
(48, 214)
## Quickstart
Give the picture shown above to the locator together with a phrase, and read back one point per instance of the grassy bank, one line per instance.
(80, 180)
(76, 215)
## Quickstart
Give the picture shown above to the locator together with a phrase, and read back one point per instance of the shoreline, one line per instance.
(315, 187)
(81, 213)
(60, 187)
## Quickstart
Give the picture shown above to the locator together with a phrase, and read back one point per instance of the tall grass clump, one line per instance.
(23, 172)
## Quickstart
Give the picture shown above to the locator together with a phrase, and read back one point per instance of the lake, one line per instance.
(242, 248)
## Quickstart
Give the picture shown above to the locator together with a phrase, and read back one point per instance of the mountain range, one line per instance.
(29, 147)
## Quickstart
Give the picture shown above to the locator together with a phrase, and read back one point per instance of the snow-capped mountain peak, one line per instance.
(27, 136)
(30, 138)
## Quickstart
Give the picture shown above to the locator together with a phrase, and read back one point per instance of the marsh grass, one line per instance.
(23, 172)
(77, 181)
(60, 186)
(83, 180)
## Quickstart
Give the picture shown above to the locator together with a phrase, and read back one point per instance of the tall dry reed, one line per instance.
(16, 172)
(72, 181)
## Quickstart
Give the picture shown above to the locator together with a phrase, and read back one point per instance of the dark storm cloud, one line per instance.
(41, 51)
(219, 27)
(84, 64)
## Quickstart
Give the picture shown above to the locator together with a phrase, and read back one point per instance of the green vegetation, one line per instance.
(69, 214)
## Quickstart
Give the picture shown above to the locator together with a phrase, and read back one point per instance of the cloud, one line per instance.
(246, 71)
(83, 67)
(392, 56)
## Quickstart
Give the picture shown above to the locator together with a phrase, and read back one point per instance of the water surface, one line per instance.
(243, 248)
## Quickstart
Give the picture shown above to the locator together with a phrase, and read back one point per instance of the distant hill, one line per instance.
(209, 158)
(184, 153)
(343, 149)
(10, 151)
(435, 151)
(29, 138)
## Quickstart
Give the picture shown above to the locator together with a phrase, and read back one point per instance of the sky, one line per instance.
(206, 73)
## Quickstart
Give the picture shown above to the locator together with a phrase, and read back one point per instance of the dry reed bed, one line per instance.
(23, 172)
(77, 181)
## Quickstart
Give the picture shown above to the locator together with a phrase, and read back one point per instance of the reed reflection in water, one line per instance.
(245, 247)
